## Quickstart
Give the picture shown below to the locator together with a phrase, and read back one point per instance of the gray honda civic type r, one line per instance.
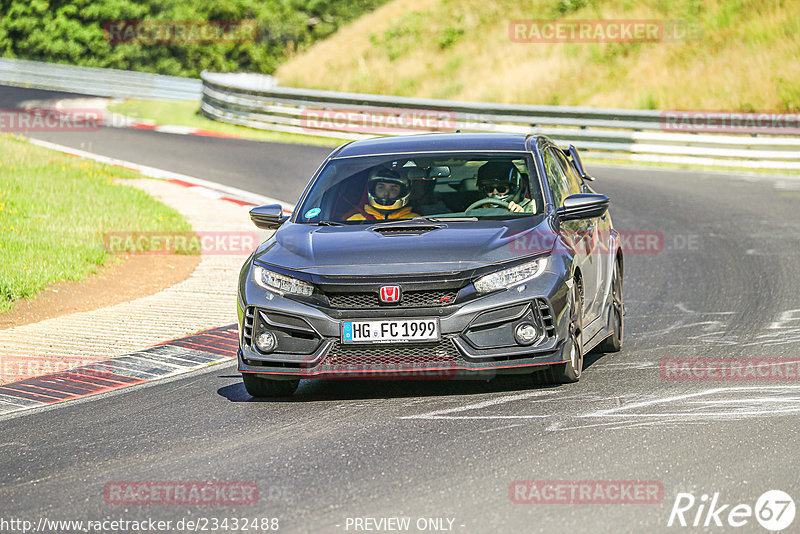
(433, 256)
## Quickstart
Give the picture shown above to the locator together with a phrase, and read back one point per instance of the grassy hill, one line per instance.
(746, 58)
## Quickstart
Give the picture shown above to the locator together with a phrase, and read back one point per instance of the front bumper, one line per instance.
(477, 336)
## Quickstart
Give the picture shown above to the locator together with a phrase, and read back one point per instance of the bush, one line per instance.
(71, 31)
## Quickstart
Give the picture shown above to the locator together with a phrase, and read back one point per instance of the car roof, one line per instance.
(440, 142)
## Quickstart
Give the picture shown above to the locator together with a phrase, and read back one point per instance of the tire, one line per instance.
(568, 372)
(260, 387)
(613, 343)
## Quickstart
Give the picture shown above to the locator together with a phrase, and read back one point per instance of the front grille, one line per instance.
(547, 317)
(401, 356)
(247, 327)
(410, 299)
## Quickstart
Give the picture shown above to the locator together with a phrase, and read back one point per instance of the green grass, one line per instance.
(738, 55)
(54, 212)
(188, 114)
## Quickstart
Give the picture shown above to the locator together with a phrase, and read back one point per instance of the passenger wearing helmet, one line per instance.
(503, 181)
(387, 194)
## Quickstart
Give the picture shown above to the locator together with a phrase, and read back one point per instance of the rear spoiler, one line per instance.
(572, 154)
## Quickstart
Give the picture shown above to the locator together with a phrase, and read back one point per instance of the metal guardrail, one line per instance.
(97, 81)
(638, 135)
(257, 101)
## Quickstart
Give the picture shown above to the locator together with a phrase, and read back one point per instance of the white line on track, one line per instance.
(154, 172)
(498, 428)
(617, 410)
(437, 414)
(478, 417)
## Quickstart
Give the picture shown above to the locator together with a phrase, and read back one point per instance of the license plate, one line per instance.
(390, 331)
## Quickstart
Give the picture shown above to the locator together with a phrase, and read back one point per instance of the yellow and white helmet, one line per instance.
(388, 202)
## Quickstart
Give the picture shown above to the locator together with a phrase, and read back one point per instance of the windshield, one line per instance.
(395, 187)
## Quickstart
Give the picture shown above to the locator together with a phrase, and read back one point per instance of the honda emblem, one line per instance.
(390, 294)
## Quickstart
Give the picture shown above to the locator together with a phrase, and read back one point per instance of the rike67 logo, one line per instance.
(774, 510)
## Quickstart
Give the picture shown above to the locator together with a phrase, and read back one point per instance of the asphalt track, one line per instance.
(724, 285)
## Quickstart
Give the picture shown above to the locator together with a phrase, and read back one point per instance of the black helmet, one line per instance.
(503, 176)
(384, 175)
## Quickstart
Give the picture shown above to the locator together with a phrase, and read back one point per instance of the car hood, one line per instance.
(451, 247)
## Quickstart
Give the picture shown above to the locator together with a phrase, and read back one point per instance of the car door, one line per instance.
(577, 234)
(596, 248)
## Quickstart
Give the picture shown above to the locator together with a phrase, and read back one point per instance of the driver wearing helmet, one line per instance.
(388, 194)
(502, 180)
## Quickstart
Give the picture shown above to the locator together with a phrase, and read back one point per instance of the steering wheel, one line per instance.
(485, 201)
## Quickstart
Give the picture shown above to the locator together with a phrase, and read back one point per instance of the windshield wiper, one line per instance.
(422, 219)
(397, 222)
(445, 219)
(329, 223)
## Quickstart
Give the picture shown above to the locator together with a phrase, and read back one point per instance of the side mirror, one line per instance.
(576, 160)
(268, 217)
(583, 206)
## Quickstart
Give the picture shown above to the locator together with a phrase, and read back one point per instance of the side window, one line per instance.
(556, 177)
(575, 184)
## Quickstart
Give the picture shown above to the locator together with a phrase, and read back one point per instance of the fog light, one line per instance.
(266, 342)
(526, 333)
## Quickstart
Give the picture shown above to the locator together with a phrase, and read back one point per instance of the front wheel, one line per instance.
(261, 387)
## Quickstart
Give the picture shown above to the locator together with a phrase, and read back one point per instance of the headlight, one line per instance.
(280, 283)
(510, 277)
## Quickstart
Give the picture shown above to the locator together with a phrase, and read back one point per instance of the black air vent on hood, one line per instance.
(411, 229)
